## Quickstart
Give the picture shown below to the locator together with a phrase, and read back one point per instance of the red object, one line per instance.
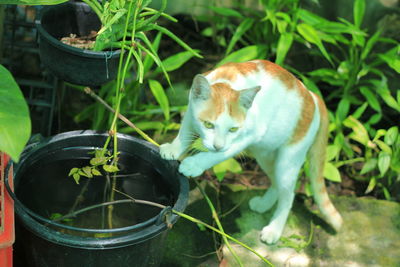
(7, 236)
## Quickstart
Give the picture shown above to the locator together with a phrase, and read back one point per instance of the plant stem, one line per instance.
(109, 203)
(349, 161)
(96, 7)
(118, 96)
(218, 222)
(120, 116)
(111, 207)
(80, 196)
(187, 217)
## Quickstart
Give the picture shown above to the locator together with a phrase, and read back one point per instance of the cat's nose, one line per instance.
(219, 143)
(217, 147)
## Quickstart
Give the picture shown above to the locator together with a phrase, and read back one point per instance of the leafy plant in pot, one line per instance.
(69, 63)
(106, 22)
(116, 230)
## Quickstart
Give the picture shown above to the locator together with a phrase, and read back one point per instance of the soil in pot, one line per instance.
(78, 66)
(82, 42)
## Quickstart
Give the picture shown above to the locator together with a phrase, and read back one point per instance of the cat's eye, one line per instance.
(208, 125)
(233, 129)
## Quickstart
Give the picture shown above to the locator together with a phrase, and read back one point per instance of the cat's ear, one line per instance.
(247, 96)
(200, 88)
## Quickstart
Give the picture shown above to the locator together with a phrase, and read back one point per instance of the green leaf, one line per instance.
(228, 165)
(358, 12)
(76, 177)
(110, 168)
(153, 54)
(55, 216)
(332, 151)
(148, 125)
(330, 76)
(245, 54)
(383, 162)
(72, 171)
(385, 94)
(310, 18)
(359, 134)
(112, 21)
(386, 193)
(160, 96)
(393, 62)
(379, 134)
(310, 84)
(243, 27)
(86, 171)
(384, 147)
(360, 110)
(370, 44)
(15, 123)
(32, 2)
(207, 32)
(284, 44)
(139, 63)
(96, 172)
(369, 166)
(374, 119)
(392, 58)
(391, 135)
(148, 60)
(201, 227)
(176, 61)
(224, 11)
(311, 35)
(332, 173)
(198, 145)
(176, 39)
(343, 109)
(371, 185)
(371, 98)
(98, 161)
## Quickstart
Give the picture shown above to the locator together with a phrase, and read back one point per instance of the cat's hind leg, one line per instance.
(265, 202)
(287, 167)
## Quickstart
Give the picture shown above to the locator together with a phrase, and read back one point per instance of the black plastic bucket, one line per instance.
(43, 188)
(71, 64)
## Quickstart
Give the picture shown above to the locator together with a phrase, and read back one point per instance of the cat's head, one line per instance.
(219, 111)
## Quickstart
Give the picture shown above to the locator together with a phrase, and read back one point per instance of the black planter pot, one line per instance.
(42, 188)
(71, 64)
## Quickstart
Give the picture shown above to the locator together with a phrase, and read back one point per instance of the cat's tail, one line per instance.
(316, 162)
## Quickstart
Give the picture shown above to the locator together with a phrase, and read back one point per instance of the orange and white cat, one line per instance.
(259, 107)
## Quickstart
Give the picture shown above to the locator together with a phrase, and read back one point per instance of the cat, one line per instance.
(259, 107)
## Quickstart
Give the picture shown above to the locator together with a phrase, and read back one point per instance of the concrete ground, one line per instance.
(370, 236)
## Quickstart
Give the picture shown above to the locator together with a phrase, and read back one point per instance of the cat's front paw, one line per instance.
(170, 151)
(190, 167)
(271, 234)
